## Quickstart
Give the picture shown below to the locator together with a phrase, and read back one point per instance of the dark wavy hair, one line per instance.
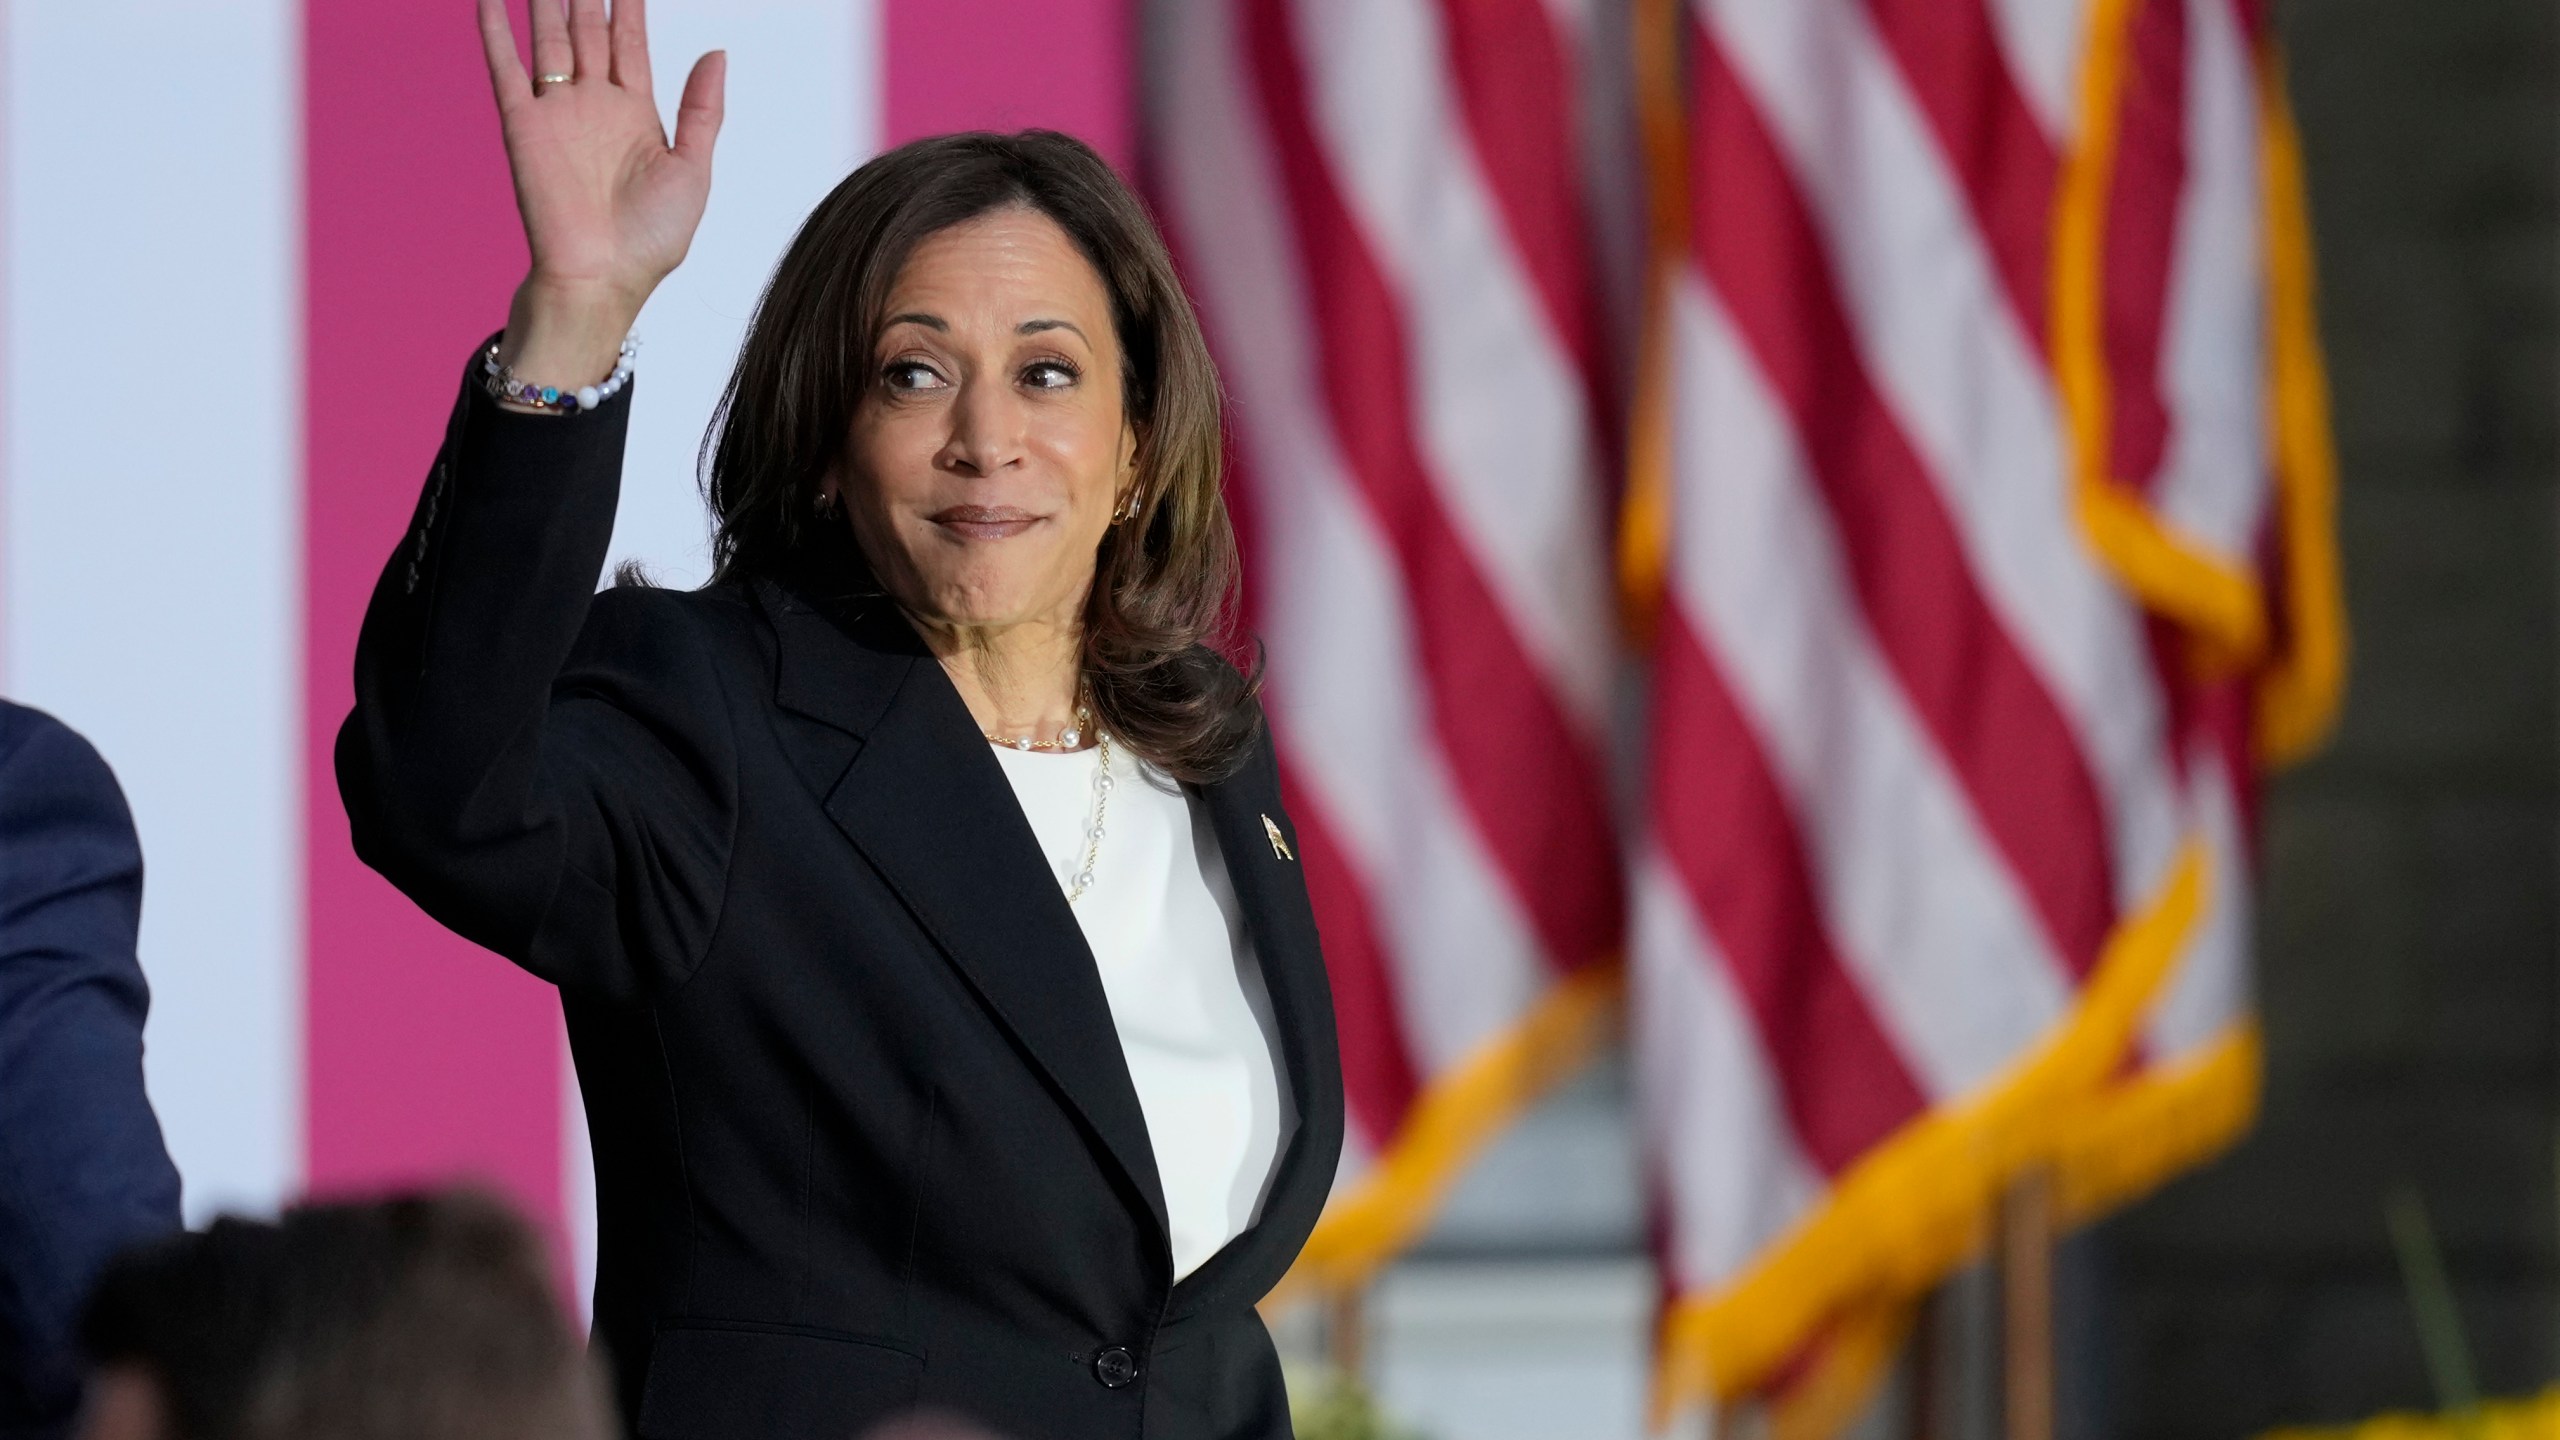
(1164, 588)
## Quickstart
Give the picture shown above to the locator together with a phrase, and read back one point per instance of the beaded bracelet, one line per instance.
(503, 384)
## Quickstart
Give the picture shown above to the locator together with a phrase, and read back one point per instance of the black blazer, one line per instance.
(864, 1138)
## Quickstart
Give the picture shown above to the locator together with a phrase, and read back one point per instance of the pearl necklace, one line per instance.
(1083, 878)
(1069, 739)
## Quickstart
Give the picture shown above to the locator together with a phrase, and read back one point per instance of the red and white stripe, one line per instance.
(1379, 205)
(1915, 751)
(241, 279)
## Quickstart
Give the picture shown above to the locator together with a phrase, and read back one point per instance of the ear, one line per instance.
(828, 498)
(1124, 477)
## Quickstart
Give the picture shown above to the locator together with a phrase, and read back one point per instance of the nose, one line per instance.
(986, 430)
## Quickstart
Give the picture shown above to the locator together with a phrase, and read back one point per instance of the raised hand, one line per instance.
(609, 205)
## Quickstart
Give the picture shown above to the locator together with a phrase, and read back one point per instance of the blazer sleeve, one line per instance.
(83, 1171)
(548, 771)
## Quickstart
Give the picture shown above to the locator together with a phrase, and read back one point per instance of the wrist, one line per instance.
(566, 333)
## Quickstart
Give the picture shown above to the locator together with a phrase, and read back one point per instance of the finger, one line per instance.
(698, 113)
(551, 52)
(498, 43)
(590, 41)
(631, 45)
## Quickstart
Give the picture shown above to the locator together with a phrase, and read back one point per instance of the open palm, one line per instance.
(609, 205)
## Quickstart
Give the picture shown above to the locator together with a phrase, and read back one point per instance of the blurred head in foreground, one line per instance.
(427, 1317)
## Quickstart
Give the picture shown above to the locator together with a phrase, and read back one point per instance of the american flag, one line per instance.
(1987, 560)
(1383, 212)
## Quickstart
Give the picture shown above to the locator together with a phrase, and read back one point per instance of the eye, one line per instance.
(909, 375)
(1049, 375)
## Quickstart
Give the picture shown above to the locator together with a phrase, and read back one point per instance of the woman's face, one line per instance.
(988, 455)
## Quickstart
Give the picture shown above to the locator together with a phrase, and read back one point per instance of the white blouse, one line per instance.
(1185, 989)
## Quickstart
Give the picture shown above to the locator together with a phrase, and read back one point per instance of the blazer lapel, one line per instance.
(929, 807)
(1260, 850)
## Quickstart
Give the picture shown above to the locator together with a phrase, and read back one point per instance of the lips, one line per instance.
(984, 522)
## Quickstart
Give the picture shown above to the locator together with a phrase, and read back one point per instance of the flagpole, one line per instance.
(1346, 1331)
(2026, 1294)
(1923, 1360)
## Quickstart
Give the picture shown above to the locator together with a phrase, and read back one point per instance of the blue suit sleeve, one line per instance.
(83, 1171)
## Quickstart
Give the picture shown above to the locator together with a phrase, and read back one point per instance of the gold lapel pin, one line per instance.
(1279, 846)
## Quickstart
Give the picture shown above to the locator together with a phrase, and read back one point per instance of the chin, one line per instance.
(984, 606)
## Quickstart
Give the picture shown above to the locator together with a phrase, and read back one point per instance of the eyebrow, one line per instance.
(1027, 327)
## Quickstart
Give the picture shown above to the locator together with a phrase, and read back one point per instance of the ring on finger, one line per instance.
(556, 79)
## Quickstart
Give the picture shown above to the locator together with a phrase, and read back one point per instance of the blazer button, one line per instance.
(1115, 1367)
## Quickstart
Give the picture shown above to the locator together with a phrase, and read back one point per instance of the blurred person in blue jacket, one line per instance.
(83, 1172)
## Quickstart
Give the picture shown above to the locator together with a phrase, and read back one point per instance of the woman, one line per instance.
(936, 959)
